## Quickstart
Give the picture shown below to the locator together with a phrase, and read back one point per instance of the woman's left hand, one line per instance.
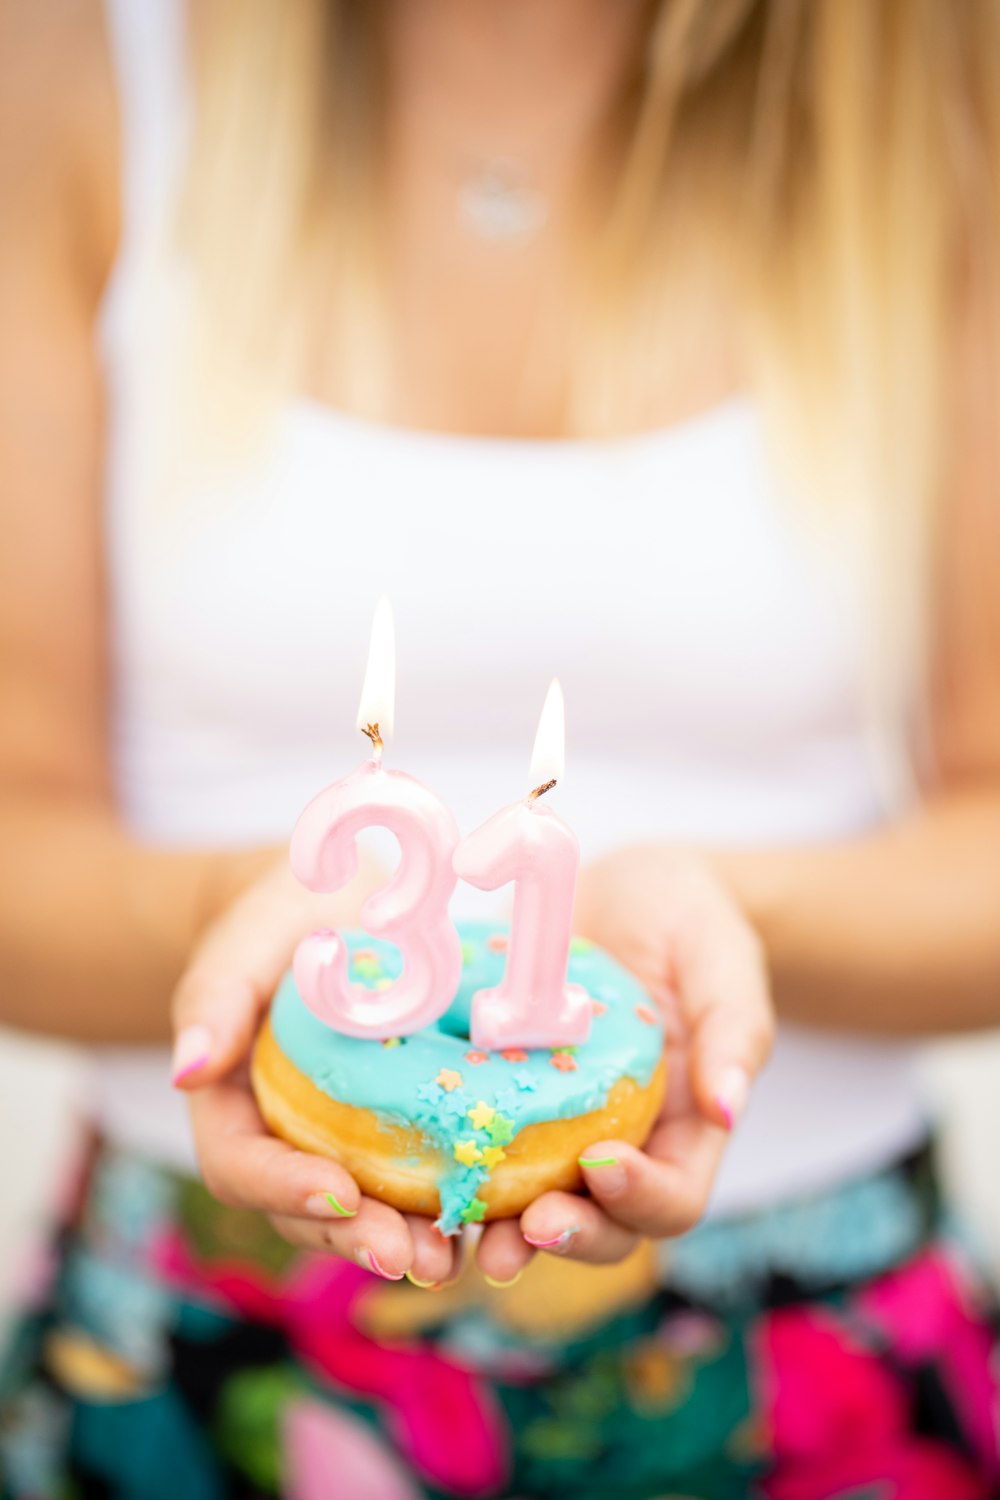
(666, 917)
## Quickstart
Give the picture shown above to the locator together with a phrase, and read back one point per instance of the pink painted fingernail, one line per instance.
(369, 1261)
(560, 1241)
(732, 1093)
(192, 1050)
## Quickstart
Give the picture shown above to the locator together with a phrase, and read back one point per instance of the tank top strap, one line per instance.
(148, 43)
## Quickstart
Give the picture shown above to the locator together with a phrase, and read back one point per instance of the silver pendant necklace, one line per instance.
(498, 202)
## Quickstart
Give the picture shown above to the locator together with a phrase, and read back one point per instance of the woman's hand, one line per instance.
(670, 921)
(218, 1007)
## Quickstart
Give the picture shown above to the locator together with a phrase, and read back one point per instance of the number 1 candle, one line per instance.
(529, 844)
(412, 909)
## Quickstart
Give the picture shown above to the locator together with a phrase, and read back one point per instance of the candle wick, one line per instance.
(371, 730)
(541, 790)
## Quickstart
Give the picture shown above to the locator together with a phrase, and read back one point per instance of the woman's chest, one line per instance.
(657, 577)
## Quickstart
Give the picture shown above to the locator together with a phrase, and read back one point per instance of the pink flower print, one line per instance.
(446, 1423)
(327, 1452)
(907, 1469)
(926, 1312)
(823, 1393)
(839, 1414)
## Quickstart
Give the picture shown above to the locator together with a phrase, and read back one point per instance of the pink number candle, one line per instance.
(528, 843)
(412, 909)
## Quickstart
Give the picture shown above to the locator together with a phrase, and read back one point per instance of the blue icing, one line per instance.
(398, 1082)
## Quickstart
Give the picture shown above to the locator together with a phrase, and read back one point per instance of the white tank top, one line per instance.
(658, 576)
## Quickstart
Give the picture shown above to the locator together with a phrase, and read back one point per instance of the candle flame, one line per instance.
(548, 758)
(378, 695)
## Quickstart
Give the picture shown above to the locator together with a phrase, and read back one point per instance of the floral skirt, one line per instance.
(171, 1349)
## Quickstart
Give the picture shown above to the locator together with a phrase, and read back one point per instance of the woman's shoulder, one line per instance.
(59, 146)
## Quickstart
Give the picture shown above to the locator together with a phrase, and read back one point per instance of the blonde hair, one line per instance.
(832, 162)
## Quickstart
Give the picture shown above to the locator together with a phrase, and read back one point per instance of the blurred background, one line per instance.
(40, 1082)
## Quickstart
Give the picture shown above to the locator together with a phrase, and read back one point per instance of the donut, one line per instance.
(431, 1125)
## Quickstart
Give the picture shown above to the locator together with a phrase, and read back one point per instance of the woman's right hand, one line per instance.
(218, 1008)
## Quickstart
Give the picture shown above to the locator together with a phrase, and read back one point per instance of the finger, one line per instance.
(434, 1255)
(216, 1020)
(240, 960)
(663, 1190)
(577, 1228)
(242, 1165)
(218, 1004)
(377, 1239)
(503, 1254)
(724, 994)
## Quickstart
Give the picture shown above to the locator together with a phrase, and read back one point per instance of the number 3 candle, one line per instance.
(528, 843)
(412, 909)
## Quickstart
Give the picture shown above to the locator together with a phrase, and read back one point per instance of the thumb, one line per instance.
(228, 985)
(726, 1002)
(216, 1020)
(726, 1054)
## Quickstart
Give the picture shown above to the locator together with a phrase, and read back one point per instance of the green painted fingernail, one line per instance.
(345, 1213)
(598, 1161)
(425, 1286)
(502, 1285)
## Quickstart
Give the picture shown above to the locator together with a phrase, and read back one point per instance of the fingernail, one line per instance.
(192, 1049)
(368, 1260)
(557, 1244)
(321, 1205)
(502, 1285)
(605, 1174)
(425, 1286)
(732, 1094)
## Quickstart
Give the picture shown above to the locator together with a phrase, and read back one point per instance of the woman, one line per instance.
(311, 302)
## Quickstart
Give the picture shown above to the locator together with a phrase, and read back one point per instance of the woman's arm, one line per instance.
(900, 932)
(94, 928)
(897, 931)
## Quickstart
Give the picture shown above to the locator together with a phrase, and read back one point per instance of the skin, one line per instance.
(896, 931)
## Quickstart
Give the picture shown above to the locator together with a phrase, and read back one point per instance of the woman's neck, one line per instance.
(517, 80)
(499, 121)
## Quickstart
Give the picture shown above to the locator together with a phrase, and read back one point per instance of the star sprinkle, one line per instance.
(367, 967)
(578, 946)
(365, 955)
(647, 1014)
(500, 1130)
(468, 952)
(598, 1007)
(492, 1155)
(474, 1212)
(449, 1079)
(564, 1061)
(481, 1114)
(429, 1093)
(526, 1081)
(506, 1100)
(392, 1041)
(514, 1054)
(497, 942)
(476, 1058)
(468, 1153)
(453, 1106)
(383, 984)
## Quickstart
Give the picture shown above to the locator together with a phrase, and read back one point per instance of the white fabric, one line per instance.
(712, 658)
